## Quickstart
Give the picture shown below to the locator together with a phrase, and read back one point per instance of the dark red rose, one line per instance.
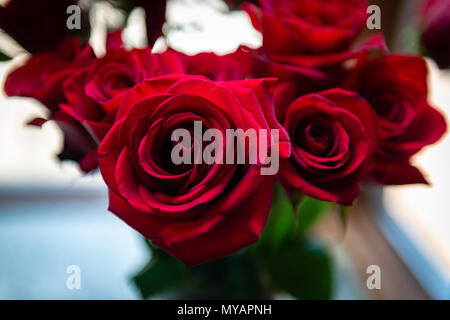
(84, 109)
(94, 93)
(42, 75)
(396, 88)
(306, 43)
(36, 25)
(238, 65)
(42, 78)
(310, 33)
(78, 145)
(155, 11)
(112, 75)
(247, 63)
(333, 135)
(435, 25)
(195, 212)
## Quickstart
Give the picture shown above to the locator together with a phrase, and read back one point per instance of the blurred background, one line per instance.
(51, 216)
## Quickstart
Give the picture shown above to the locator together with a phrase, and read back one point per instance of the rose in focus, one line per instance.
(195, 212)
(333, 135)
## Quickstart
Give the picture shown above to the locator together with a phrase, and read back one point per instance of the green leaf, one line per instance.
(302, 269)
(281, 224)
(291, 263)
(309, 211)
(235, 277)
(410, 41)
(4, 57)
(161, 274)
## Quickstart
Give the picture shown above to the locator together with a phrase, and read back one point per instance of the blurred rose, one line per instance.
(238, 65)
(435, 25)
(196, 212)
(94, 93)
(36, 25)
(333, 135)
(308, 33)
(307, 42)
(396, 88)
(42, 77)
(78, 144)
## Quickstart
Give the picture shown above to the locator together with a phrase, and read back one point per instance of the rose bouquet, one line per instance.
(223, 162)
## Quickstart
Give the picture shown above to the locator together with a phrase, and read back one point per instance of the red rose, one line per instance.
(396, 88)
(247, 63)
(111, 76)
(238, 65)
(310, 33)
(36, 25)
(84, 109)
(42, 78)
(435, 25)
(306, 42)
(333, 136)
(195, 212)
(42, 75)
(78, 144)
(94, 93)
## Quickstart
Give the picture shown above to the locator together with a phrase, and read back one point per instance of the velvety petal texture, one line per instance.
(196, 212)
(344, 109)
(333, 136)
